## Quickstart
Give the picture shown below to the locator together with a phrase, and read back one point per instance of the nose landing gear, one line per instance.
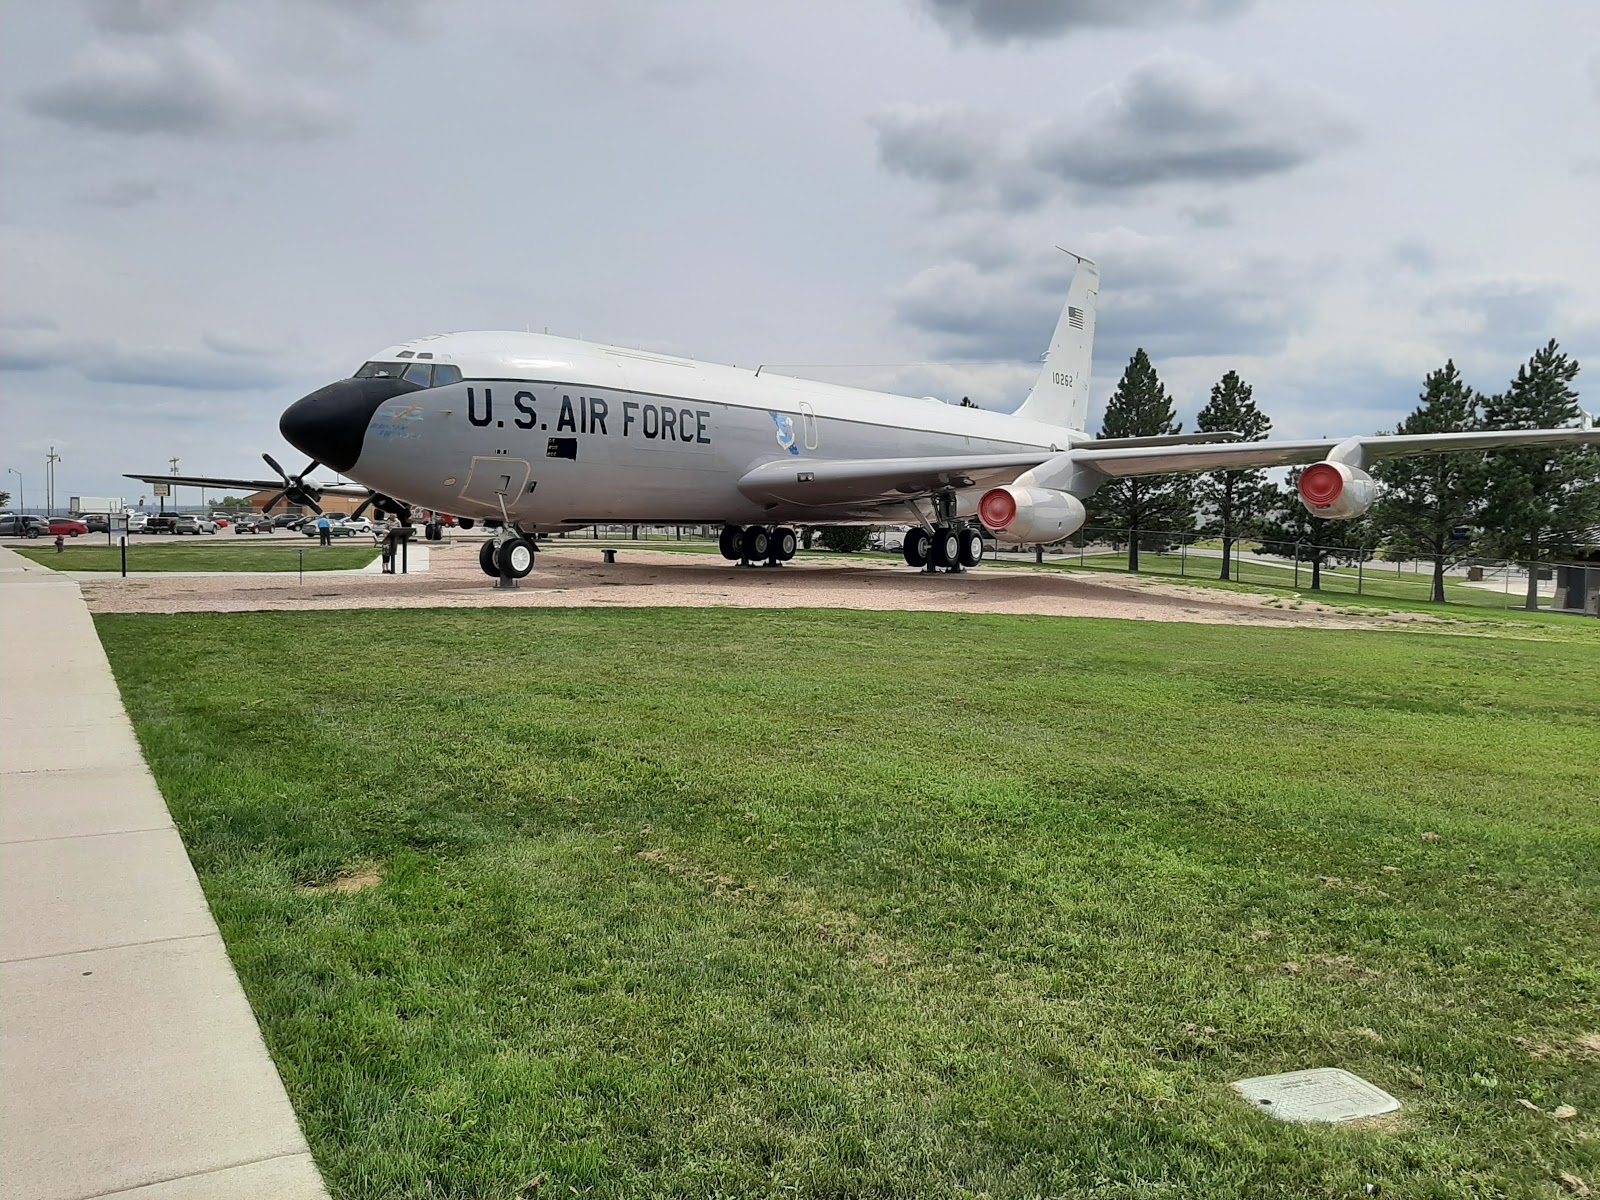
(507, 558)
(754, 544)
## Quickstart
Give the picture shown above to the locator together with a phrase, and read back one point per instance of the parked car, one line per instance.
(67, 527)
(138, 522)
(287, 521)
(222, 519)
(255, 524)
(161, 523)
(339, 527)
(194, 523)
(12, 525)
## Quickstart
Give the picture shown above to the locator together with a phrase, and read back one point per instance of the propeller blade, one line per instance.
(273, 503)
(308, 502)
(363, 506)
(310, 467)
(273, 463)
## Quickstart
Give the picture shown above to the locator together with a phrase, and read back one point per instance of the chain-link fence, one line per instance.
(1329, 571)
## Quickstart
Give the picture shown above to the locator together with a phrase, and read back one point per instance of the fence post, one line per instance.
(124, 557)
(1297, 566)
(1361, 564)
(1183, 559)
(302, 553)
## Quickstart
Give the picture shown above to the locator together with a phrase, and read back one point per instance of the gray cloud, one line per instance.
(1154, 296)
(1207, 216)
(144, 16)
(121, 193)
(185, 87)
(1594, 77)
(1176, 119)
(1172, 119)
(1415, 253)
(940, 145)
(1000, 21)
(1514, 316)
(39, 345)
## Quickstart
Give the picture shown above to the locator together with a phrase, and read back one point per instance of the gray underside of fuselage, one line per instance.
(563, 455)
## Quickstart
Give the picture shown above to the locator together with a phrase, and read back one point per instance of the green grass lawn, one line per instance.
(859, 904)
(204, 557)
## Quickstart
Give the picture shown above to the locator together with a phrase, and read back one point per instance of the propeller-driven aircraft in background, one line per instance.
(533, 434)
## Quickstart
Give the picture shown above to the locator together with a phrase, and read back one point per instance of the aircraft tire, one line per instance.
(784, 544)
(514, 557)
(915, 547)
(755, 543)
(971, 547)
(945, 550)
(728, 542)
(486, 560)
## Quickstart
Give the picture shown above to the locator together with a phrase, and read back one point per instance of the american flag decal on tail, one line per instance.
(1075, 317)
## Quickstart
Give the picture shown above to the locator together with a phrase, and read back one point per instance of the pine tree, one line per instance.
(1540, 504)
(1430, 505)
(1140, 407)
(1236, 499)
(1288, 530)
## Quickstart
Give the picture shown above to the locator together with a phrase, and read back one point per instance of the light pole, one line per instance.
(50, 461)
(22, 504)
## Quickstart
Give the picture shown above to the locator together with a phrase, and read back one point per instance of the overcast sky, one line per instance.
(208, 207)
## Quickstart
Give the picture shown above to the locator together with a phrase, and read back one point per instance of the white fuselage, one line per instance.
(568, 433)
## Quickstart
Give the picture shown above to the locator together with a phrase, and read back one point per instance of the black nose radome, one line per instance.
(331, 423)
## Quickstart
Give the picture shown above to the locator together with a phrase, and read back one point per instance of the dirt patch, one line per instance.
(569, 575)
(345, 883)
(1584, 1046)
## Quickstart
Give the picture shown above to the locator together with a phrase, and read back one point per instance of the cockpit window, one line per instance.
(420, 373)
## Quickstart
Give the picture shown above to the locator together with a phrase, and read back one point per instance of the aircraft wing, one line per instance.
(253, 485)
(873, 482)
(820, 483)
(1238, 456)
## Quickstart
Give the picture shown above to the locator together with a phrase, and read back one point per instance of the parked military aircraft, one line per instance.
(533, 434)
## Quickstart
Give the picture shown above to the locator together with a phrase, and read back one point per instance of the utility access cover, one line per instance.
(1326, 1094)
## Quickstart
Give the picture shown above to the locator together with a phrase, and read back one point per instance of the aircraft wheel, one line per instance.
(756, 543)
(971, 547)
(728, 542)
(784, 544)
(486, 560)
(915, 547)
(945, 550)
(514, 558)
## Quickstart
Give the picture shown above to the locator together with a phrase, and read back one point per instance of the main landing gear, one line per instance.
(947, 544)
(507, 557)
(945, 549)
(754, 544)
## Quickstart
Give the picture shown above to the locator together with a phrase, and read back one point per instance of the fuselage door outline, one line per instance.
(808, 417)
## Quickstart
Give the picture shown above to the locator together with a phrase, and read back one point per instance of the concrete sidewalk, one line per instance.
(129, 1057)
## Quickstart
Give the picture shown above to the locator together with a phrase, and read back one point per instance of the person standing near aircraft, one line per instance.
(324, 531)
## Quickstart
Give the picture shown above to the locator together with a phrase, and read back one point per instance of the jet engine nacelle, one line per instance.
(1335, 491)
(1030, 515)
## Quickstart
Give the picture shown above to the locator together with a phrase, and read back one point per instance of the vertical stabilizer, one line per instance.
(1060, 396)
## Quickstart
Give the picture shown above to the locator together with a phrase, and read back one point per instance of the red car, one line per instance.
(67, 527)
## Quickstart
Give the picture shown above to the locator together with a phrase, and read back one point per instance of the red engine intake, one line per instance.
(1336, 491)
(1024, 516)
